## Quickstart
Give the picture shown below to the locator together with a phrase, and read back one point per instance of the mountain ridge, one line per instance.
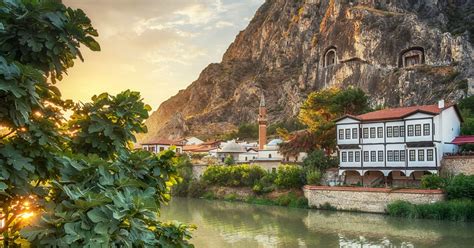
(284, 52)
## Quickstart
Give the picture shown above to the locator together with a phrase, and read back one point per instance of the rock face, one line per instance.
(291, 48)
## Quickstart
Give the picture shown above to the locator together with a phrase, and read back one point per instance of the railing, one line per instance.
(457, 154)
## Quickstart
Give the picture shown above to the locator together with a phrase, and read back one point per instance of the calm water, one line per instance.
(224, 224)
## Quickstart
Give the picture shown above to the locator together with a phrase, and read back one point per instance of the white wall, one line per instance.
(451, 128)
(344, 128)
(372, 126)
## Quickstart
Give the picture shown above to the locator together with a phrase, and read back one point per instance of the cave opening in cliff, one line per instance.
(330, 57)
(412, 56)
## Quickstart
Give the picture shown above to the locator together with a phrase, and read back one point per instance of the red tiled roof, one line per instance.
(399, 113)
(164, 142)
(462, 140)
(198, 148)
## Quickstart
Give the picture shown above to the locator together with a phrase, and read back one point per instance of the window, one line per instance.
(344, 156)
(373, 156)
(357, 156)
(330, 57)
(402, 131)
(153, 149)
(426, 129)
(421, 155)
(402, 155)
(351, 156)
(429, 155)
(396, 156)
(354, 133)
(390, 156)
(396, 132)
(348, 133)
(410, 130)
(372, 132)
(412, 155)
(366, 156)
(270, 155)
(341, 134)
(161, 149)
(389, 132)
(380, 156)
(380, 132)
(366, 133)
(246, 159)
(418, 130)
(178, 150)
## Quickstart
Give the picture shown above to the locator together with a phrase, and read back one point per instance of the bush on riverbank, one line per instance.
(290, 177)
(233, 176)
(455, 210)
(457, 187)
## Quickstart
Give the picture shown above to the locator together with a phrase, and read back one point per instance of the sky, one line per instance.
(156, 47)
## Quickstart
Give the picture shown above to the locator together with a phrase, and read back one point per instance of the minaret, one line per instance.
(262, 124)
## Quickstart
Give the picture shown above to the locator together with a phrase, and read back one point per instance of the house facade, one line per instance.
(160, 145)
(397, 143)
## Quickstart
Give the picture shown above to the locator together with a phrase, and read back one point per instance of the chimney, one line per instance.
(441, 104)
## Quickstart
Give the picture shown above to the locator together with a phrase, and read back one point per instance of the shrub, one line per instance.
(318, 160)
(455, 210)
(289, 176)
(230, 197)
(400, 209)
(433, 182)
(313, 177)
(197, 188)
(229, 160)
(233, 176)
(461, 186)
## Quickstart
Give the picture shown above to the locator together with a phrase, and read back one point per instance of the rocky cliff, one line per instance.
(400, 52)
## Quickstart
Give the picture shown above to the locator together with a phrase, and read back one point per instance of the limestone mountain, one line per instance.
(400, 52)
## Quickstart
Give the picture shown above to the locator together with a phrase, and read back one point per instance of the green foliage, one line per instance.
(433, 182)
(233, 176)
(230, 197)
(185, 173)
(108, 123)
(290, 177)
(454, 210)
(461, 186)
(229, 160)
(313, 177)
(197, 188)
(318, 113)
(45, 35)
(91, 188)
(318, 160)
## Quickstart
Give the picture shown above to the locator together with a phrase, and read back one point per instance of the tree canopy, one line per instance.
(80, 177)
(318, 113)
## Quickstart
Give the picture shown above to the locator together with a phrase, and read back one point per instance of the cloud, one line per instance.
(156, 47)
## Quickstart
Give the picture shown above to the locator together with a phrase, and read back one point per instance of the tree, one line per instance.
(229, 160)
(81, 178)
(318, 113)
(318, 160)
(466, 106)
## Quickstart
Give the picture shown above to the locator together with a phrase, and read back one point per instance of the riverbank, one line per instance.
(287, 198)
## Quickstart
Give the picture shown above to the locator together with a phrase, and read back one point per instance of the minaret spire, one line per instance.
(262, 123)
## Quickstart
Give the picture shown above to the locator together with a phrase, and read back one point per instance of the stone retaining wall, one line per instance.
(454, 165)
(373, 200)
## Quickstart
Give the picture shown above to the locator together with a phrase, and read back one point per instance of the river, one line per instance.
(232, 224)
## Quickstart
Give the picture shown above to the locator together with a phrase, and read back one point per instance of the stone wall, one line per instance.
(374, 200)
(454, 165)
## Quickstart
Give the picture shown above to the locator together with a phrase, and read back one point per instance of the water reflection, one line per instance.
(225, 224)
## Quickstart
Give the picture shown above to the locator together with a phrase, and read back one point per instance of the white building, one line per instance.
(192, 141)
(397, 143)
(160, 145)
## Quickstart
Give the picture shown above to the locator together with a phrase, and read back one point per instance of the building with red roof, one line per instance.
(397, 143)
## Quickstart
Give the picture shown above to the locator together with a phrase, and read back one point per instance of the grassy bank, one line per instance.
(454, 210)
(293, 199)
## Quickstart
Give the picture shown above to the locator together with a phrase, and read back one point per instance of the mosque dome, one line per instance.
(231, 146)
(274, 142)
